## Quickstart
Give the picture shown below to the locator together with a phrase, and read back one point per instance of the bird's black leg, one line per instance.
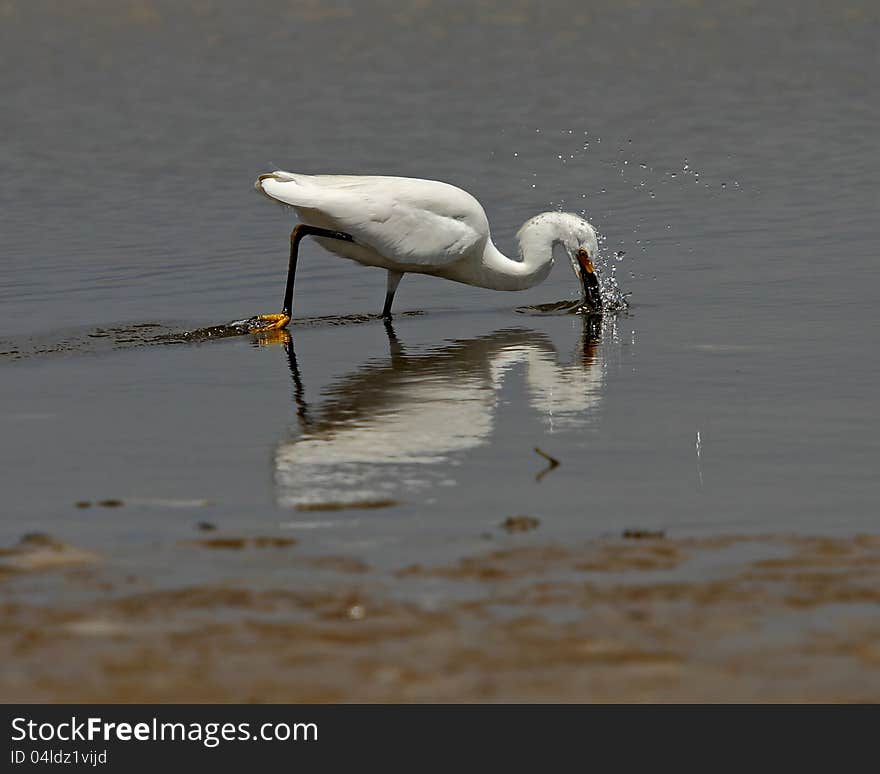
(394, 278)
(296, 236)
(268, 322)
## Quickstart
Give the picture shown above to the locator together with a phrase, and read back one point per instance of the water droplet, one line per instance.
(672, 174)
(652, 194)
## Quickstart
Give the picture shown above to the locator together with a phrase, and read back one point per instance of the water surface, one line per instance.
(727, 150)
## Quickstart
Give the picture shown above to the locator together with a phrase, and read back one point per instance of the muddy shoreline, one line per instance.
(735, 618)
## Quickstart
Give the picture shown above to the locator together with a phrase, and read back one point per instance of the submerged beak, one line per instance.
(592, 291)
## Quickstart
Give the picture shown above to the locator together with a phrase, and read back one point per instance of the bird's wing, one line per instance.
(416, 222)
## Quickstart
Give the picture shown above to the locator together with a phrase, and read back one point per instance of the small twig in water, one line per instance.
(552, 463)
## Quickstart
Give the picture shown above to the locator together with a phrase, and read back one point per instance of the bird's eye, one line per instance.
(583, 258)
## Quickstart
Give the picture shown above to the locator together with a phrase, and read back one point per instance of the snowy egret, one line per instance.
(423, 226)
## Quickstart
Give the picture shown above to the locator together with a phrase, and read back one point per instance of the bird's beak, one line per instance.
(592, 291)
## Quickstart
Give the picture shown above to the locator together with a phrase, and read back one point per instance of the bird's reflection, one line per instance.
(398, 426)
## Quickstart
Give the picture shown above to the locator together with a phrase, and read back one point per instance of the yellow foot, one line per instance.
(266, 322)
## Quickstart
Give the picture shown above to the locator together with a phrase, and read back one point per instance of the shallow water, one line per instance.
(728, 150)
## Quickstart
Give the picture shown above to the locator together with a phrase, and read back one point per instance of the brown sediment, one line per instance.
(273, 542)
(613, 557)
(224, 542)
(242, 542)
(39, 551)
(643, 534)
(785, 619)
(520, 523)
(350, 505)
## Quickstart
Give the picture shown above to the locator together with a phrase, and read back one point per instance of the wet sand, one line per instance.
(643, 618)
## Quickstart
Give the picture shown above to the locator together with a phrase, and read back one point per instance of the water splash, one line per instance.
(613, 297)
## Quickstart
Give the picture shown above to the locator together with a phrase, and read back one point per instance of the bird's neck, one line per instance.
(498, 272)
(536, 240)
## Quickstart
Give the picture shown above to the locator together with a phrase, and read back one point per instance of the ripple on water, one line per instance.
(576, 306)
(146, 334)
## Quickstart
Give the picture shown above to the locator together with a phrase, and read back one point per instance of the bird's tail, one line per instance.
(285, 187)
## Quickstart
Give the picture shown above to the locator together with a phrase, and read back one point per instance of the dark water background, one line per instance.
(729, 148)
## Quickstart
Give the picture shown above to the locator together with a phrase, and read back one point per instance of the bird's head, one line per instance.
(577, 237)
(582, 247)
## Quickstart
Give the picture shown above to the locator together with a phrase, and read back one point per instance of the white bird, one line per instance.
(405, 225)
